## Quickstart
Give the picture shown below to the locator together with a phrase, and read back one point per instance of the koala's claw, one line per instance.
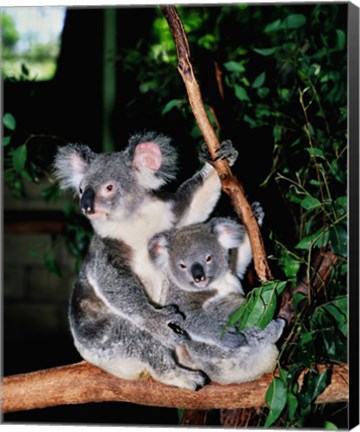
(258, 212)
(175, 328)
(226, 151)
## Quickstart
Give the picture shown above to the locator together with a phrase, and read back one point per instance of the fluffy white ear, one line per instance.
(159, 250)
(229, 233)
(154, 159)
(71, 163)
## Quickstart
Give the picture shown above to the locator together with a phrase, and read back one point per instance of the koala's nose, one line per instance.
(87, 201)
(197, 272)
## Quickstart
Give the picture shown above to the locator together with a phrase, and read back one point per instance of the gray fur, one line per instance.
(226, 357)
(116, 316)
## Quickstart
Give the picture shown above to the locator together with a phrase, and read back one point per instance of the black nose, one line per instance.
(197, 272)
(87, 201)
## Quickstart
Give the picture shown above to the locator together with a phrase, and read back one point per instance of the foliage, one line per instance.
(9, 34)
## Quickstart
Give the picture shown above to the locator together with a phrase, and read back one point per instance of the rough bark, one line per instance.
(81, 383)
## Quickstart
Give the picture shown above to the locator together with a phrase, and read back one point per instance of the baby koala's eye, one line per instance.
(109, 187)
(208, 258)
(182, 265)
(80, 190)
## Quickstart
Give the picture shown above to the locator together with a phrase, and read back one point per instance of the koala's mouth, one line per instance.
(203, 283)
(97, 214)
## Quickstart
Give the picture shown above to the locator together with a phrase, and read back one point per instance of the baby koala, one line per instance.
(196, 259)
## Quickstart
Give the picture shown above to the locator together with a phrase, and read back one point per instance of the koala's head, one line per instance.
(196, 255)
(112, 185)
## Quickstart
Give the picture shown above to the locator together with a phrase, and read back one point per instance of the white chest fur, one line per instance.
(136, 230)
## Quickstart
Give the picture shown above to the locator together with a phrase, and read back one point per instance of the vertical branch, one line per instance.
(231, 186)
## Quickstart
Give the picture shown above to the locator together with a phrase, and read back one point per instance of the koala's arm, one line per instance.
(244, 251)
(196, 198)
(113, 281)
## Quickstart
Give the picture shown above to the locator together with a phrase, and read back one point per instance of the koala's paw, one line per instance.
(258, 212)
(226, 151)
(194, 380)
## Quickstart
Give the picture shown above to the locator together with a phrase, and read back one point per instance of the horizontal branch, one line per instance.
(82, 383)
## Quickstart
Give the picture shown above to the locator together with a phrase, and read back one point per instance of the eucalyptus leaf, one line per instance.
(276, 398)
(294, 21)
(259, 80)
(19, 158)
(9, 121)
(170, 105)
(310, 203)
(265, 51)
(235, 67)
(241, 93)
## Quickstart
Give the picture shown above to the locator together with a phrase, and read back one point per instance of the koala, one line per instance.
(196, 261)
(117, 315)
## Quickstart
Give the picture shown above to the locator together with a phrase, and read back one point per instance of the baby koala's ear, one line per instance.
(229, 233)
(158, 248)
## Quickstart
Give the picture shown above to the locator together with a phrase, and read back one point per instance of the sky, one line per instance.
(43, 23)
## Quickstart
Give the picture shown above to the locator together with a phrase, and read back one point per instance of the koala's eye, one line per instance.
(108, 188)
(182, 265)
(208, 258)
(80, 190)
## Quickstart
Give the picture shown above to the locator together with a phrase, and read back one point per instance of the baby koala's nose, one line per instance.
(198, 273)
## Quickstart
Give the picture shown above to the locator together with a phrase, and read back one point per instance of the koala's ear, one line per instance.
(159, 249)
(229, 233)
(71, 163)
(154, 159)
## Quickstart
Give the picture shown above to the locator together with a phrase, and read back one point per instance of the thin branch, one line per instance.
(230, 184)
(82, 383)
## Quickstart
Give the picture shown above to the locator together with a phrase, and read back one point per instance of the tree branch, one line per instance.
(82, 382)
(230, 184)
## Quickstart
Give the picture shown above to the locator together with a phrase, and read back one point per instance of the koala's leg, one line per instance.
(257, 355)
(118, 346)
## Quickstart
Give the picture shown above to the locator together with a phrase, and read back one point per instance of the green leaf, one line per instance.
(315, 151)
(274, 26)
(260, 305)
(292, 404)
(318, 239)
(339, 239)
(340, 40)
(235, 67)
(310, 203)
(259, 80)
(294, 21)
(276, 398)
(6, 141)
(9, 121)
(241, 93)
(19, 158)
(265, 51)
(330, 425)
(170, 105)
